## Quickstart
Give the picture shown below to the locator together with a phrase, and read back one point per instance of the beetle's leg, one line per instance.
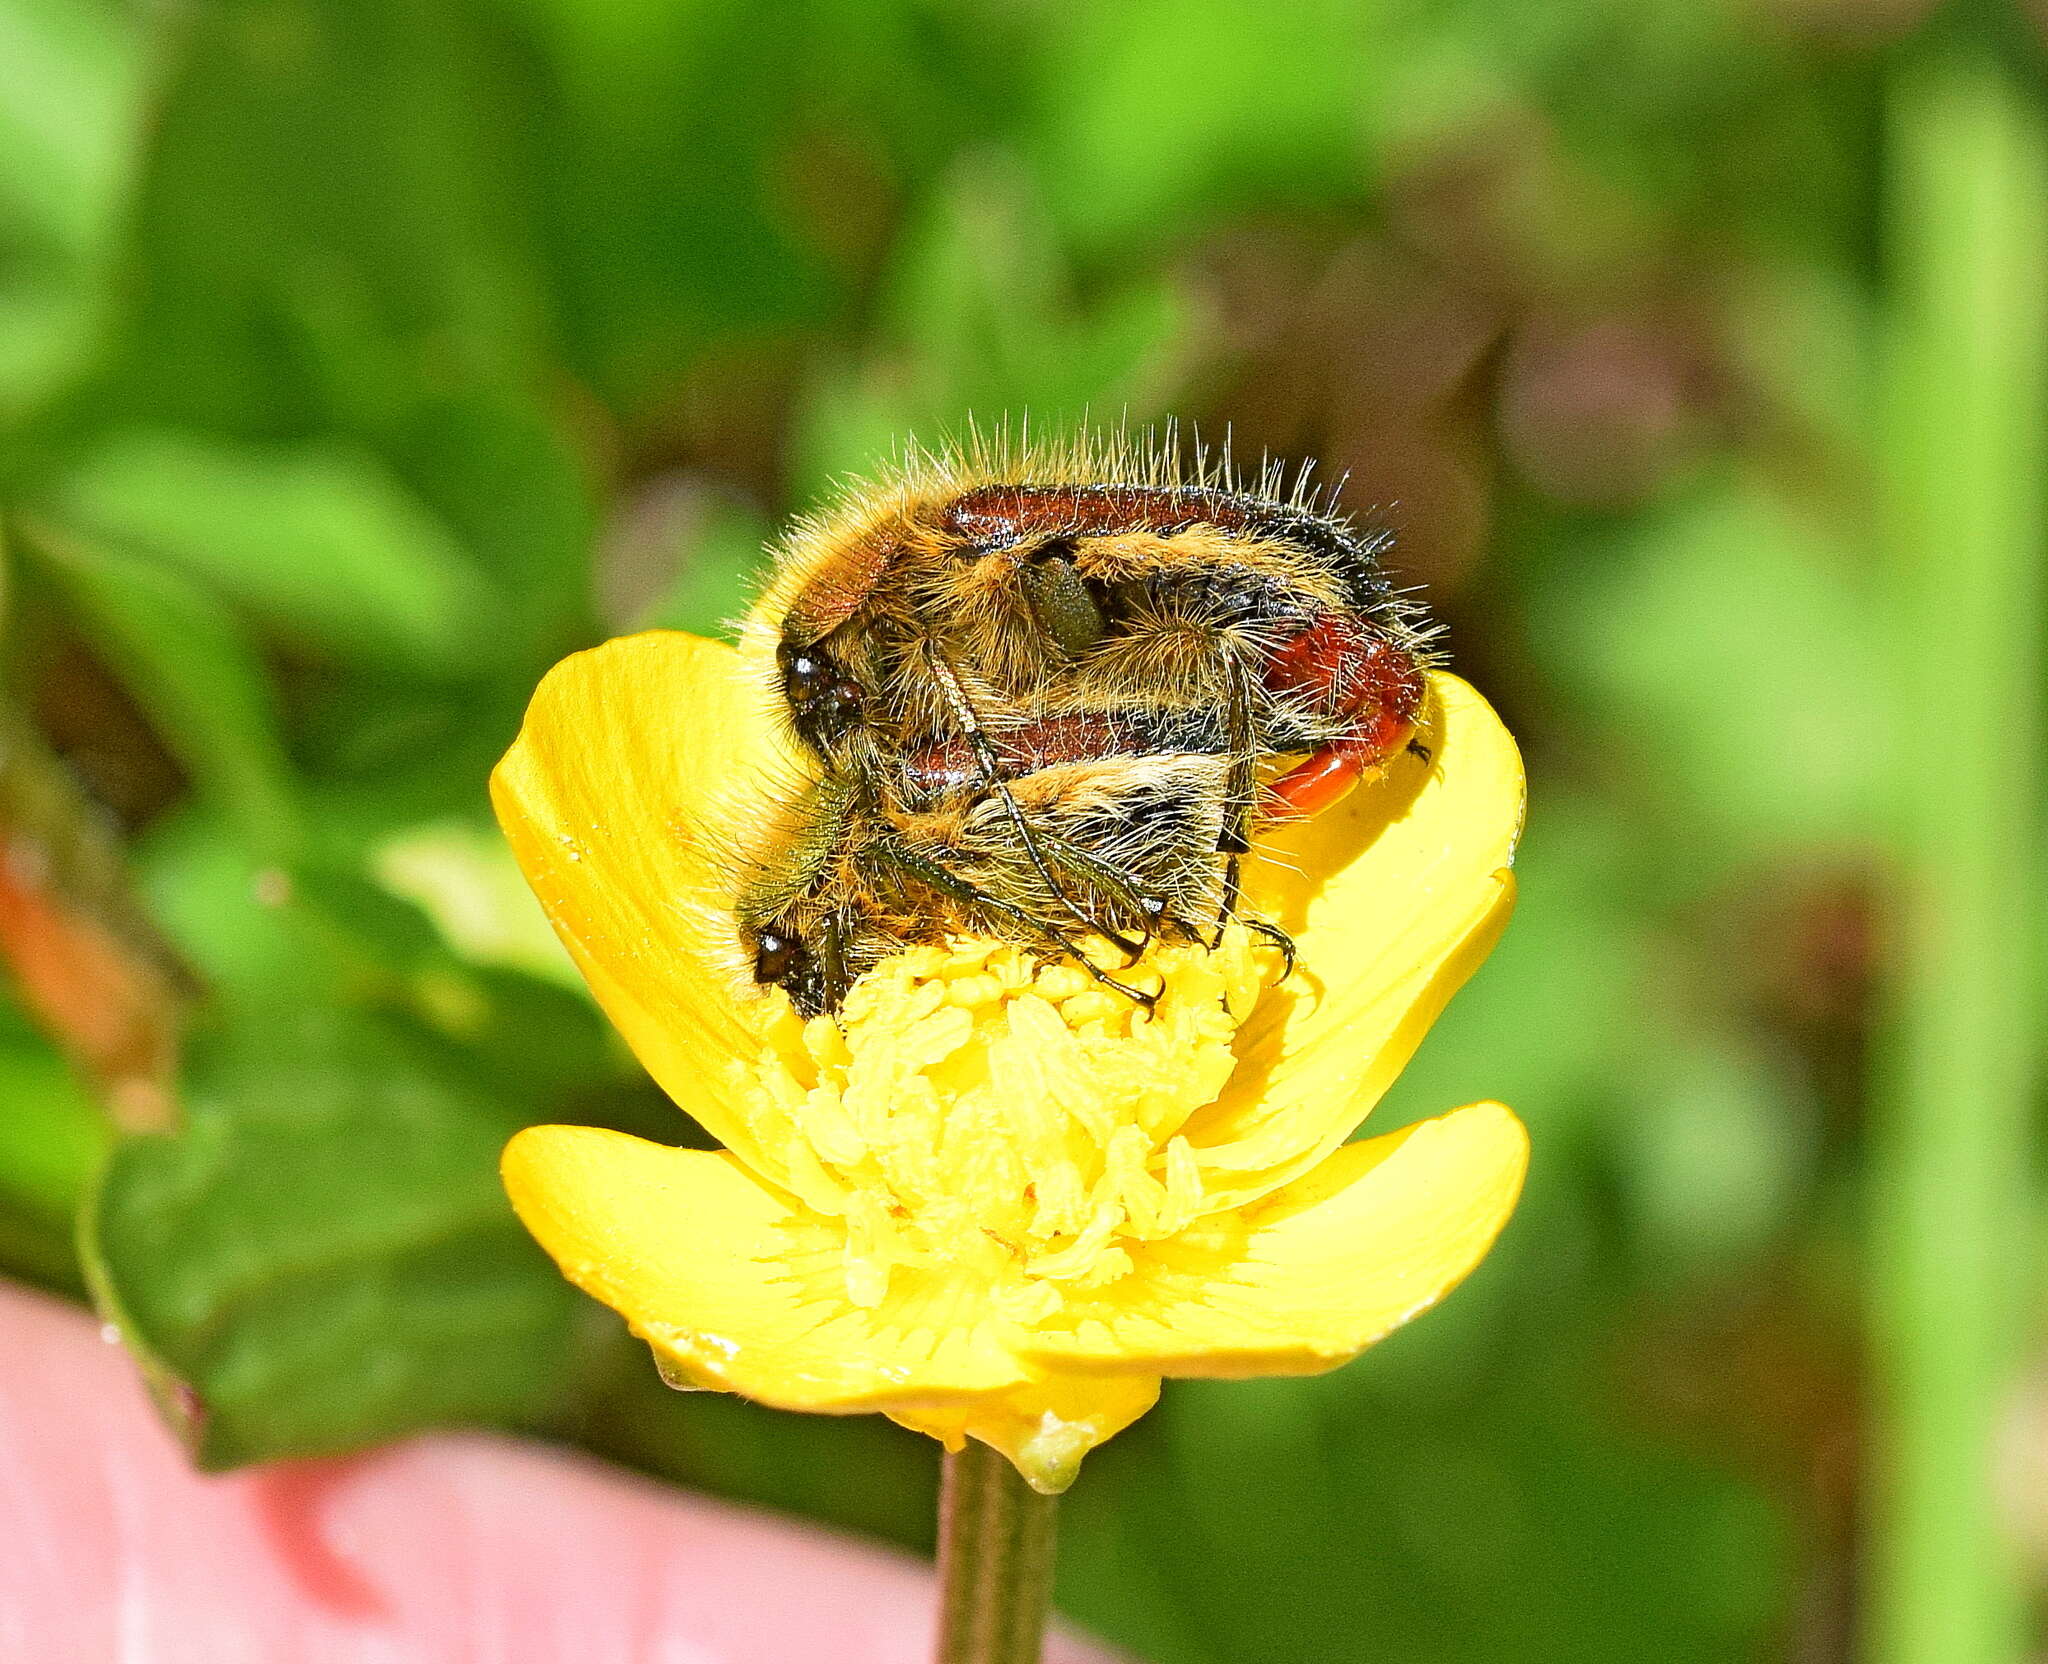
(1080, 863)
(937, 876)
(1240, 801)
(1279, 938)
(991, 775)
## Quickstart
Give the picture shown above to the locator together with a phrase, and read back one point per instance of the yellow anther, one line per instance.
(1060, 982)
(970, 991)
(970, 1105)
(1097, 1005)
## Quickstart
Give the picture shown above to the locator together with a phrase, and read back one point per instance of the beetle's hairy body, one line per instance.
(1039, 706)
(889, 873)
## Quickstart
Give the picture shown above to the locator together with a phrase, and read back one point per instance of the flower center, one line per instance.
(973, 1111)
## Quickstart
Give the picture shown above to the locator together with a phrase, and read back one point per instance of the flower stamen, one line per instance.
(972, 1110)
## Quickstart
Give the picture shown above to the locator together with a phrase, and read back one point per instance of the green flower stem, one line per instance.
(1967, 220)
(995, 1560)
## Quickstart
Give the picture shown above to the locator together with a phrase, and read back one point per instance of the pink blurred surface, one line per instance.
(463, 1549)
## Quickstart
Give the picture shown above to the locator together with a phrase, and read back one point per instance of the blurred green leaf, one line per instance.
(654, 155)
(1152, 114)
(1805, 333)
(334, 243)
(981, 322)
(323, 1258)
(329, 937)
(464, 878)
(1718, 1155)
(318, 541)
(1453, 1509)
(52, 1138)
(324, 161)
(1729, 645)
(191, 667)
(237, 917)
(70, 102)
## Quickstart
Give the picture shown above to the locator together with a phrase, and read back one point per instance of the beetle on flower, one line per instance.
(989, 1198)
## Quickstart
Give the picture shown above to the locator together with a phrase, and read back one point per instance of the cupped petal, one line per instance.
(1316, 1273)
(640, 765)
(1393, 898)
(735, 1287)
(1046, 1426)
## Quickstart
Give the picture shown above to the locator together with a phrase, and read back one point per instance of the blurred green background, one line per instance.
(358, 358)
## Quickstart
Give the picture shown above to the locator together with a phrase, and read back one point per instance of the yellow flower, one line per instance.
(993, 1200)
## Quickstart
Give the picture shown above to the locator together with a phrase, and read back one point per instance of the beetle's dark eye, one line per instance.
(778, 954)
(807, 675)
(823, 698)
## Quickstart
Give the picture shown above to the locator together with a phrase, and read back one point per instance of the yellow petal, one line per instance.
(1393, 898)
(735, 1288)
(1378, 1233)
(633, 757)
(1045, 1427)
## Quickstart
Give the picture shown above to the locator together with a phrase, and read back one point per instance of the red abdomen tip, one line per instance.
(1351, 674)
